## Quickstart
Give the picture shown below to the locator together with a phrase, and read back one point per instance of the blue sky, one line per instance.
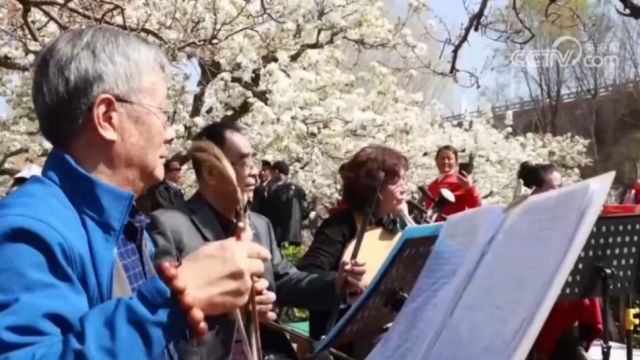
(472, 56)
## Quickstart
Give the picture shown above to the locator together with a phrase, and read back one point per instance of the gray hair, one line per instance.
(81, 64)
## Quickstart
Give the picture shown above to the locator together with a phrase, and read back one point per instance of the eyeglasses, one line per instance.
(170, 114)
(245, 163)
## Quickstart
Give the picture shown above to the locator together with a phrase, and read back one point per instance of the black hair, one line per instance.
(447, 148)
(281, 167)
(534, 175)
(217, 134)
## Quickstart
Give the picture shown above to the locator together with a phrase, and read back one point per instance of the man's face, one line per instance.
(145, 132)
(239, 152)
(265, 173)
(174, 172)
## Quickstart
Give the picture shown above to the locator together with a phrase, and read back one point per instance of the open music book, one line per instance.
(370, 313)
(493, 277)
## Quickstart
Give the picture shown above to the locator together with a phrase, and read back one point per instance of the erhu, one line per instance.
(210, 155)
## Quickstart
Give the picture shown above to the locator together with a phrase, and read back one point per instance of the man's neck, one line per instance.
(227, 209)
(99, 164)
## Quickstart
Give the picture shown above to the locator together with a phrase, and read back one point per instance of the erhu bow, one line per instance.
(210, 155)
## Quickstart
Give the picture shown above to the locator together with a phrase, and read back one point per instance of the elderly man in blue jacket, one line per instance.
(77, 282)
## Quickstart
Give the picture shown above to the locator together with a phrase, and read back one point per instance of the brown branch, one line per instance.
(9, 155)
(26, 9)
(632, 9)
(316, 45)
(53, 18)
(266, 12)
(516, 11)
(237, 113)
(10, 64)
(208, 72)
(93, 17)
(474, 23)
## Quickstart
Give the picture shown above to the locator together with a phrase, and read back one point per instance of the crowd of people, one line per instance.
(80, 241)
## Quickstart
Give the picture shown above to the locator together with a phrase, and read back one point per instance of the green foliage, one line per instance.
(293, 253)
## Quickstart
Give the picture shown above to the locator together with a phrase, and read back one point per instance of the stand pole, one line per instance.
(629, 332)
(605, 276)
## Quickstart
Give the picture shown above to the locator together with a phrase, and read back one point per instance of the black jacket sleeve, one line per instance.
(329, 243)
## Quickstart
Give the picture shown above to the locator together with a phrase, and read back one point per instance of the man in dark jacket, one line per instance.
(284, 205)
(208, 217)
(167, 193)
(260, 193)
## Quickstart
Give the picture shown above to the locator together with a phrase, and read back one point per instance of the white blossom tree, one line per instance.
(283, 69)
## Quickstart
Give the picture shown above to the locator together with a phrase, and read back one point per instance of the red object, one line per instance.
(465, 198)
(339, 206)
(564, 315)
(616, 209)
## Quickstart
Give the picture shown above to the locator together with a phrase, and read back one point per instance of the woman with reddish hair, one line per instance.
(457, 181)
(371, 168)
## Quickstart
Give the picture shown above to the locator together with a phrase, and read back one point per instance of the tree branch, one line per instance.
(10, 64)
(9, 155)
(632, 9)
(474, 23)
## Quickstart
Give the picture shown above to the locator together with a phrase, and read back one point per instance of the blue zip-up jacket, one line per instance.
(58, 238)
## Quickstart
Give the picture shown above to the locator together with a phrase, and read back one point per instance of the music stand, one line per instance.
(607, 266)
(371, 314)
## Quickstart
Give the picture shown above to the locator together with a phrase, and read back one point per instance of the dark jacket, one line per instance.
(284, 204)
(163, 195)
(182, 230)
(325, 253)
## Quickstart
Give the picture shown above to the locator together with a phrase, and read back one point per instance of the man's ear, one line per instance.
(209, 175)
(104, 117)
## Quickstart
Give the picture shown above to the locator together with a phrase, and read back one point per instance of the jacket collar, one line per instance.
(106, 205)
(204, 218)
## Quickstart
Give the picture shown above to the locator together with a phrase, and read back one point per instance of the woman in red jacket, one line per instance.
(458, 182)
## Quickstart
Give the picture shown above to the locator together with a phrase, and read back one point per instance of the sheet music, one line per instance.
(497, 301)
(431, 296)
(511, 292)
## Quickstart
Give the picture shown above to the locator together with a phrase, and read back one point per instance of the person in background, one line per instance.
(539, 178)
(573, 324)
(260, 193)
(266, 172)
(25, 174)
(165, 194)
(452, 178)
(75, 259)
(285, 205)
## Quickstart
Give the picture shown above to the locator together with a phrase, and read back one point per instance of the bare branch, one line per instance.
(474, 23)
(9, 155)
(53, 18)
(93, 17)
(632, 9)
(516, 11)
(10, 64)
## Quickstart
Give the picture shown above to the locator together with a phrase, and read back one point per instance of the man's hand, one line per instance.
(264, 300)
(217, 276)
(350, 276)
